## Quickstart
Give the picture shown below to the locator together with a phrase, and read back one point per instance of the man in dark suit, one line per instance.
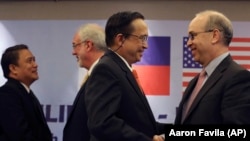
(22, 118)
(117, 108)
(224, 97)
(88, 46)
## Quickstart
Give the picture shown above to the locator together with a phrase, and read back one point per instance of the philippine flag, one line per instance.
(154, 67)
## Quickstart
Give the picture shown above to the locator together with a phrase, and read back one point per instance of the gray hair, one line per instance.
(95, 33)
(217, 20)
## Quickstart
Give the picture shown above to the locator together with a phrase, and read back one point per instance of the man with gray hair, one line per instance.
(88, 46)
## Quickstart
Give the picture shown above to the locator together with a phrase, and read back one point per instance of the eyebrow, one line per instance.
(191, 32)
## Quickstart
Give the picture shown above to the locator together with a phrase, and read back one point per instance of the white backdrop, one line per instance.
(51, 43)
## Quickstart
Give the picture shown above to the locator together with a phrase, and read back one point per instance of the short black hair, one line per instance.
(120, 23)
(11, 56)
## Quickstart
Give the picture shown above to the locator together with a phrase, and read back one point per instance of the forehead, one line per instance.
(24, 53)
(197, 24)
(139, 25)
(76, 37)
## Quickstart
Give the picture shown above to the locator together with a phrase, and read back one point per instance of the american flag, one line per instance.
(239, 49)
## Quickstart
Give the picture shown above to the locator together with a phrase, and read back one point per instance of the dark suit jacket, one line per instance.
(21, 119)
(76, 127)
(117, 109)
(223, 99)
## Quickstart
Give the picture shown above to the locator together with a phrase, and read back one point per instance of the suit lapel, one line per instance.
(128, 72)
(186, 95)
(211, 81)
(33, 105)
(76, 100)
(132, 81)
(37, 106)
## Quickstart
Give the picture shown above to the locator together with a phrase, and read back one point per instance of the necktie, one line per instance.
(137, 78)
(195, 92)
(85, 79)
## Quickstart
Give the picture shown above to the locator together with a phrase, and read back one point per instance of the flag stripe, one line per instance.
(154, 67)
(241, 57)
(189, 73)
(235, 53)
(241, 39)
(239, 50)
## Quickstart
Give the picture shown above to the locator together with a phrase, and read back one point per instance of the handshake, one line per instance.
(159, 138)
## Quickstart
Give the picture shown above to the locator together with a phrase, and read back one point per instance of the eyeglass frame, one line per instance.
(192, 35)
(143, 38)
(76, 45)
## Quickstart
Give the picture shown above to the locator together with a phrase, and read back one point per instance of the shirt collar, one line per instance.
(214, 63)
(130, 68)
(26, 87)
(92, 67)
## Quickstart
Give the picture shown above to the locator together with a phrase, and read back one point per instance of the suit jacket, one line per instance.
(21, 117)
(116, 107)
(76, 127)
(223, 99)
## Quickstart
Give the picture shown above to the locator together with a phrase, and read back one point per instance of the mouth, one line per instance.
(193, 50)
(34, 71)
(141, 53)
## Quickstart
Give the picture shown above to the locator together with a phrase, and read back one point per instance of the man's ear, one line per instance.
(13, 68)
(120, 39)
(216, 36)
(89, 45)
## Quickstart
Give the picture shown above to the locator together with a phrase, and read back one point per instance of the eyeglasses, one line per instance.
(192, 35)
(143, 38)
(76, 45)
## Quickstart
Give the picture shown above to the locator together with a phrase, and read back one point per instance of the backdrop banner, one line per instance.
(164, 70)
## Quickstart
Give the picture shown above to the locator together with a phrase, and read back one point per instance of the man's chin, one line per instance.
(35, 78)
(138, 59)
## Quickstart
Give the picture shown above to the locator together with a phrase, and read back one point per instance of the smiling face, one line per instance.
(79, 50)
(26, 68)
(133, 46)
(200, 40)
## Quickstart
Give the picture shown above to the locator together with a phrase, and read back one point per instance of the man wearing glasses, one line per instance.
(223, 95)
(117, 108)
(88, 46)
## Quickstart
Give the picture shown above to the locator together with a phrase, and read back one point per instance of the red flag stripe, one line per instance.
(238, 48)
(189, 74)
(246, 66)
(241, 57)
(240, 40)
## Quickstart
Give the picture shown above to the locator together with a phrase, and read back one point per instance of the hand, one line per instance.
(158, 138)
